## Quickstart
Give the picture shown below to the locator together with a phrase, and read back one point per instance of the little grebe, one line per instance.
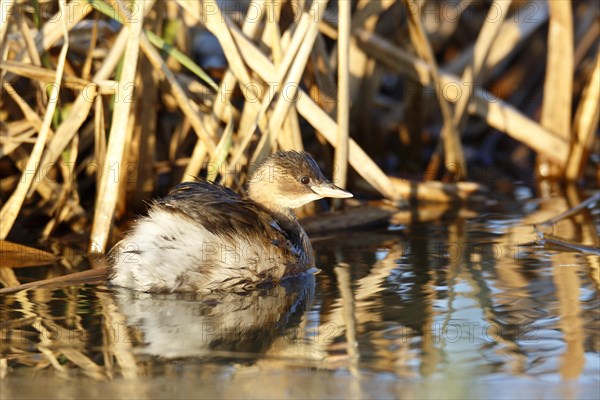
(204, 237)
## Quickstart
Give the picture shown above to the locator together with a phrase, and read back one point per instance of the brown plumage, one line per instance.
(204, 237)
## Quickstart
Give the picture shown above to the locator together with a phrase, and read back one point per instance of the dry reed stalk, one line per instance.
(106, 199)
(5, 11)
(17, 133)
(585, 124)
(584, 219)
(363, 66)
(496, 112)
(323, 77)
(269, 136)
(586, 34)
(30, 115)
(194, 166)
(447, 27)
(82, 105)
(296, 69)
(62, 208)
(450, 135)
(512, 36)
(222, 150)
(99, 133)
(358, 58)
(370, 98)
(16, 255)
(318, 118)
(558, 86)
(291, 125)
(115, 54)
(483, 45)
(10, 210)
(45, 75)
(95, 275)
(223, 97)
(588, 203)
(291, 64)
(186, 105)
(66, 130)
(553, 242)
(32, 51)
(438, 192)
(292, 136)
(8, 279)
(217, 23)
(126, 167)
(48, 189)
(189, 108)
(340, 171)
(290, 73)
(144, 138)
(52, 31)
(86, 70)
(359, 160)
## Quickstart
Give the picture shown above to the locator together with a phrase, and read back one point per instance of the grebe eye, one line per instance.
(305, 180)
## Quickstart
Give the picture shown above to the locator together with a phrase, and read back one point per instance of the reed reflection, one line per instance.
(218, 324)
(461, 298)
(106, 333)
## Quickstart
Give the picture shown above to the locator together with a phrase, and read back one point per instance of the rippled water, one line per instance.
(463, 308)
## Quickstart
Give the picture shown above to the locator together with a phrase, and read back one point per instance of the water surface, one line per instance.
(466, 307)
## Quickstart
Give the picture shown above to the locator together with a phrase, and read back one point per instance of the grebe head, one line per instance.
(290, 179)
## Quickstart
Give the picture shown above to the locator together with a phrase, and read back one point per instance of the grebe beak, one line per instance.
(328, 189)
